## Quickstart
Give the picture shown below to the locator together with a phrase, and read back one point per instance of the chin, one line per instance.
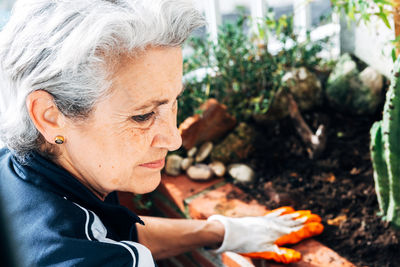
(147, 184)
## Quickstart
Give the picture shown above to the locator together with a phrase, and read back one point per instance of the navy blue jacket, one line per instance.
(57, 221)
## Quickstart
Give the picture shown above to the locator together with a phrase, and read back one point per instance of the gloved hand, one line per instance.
(260, 237)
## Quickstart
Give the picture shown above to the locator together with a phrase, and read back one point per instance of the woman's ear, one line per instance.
(45, 114)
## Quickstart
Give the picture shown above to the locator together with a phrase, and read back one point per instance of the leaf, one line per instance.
(393, 54)
(396, 40)
(337, 221)
(384, 2)
(384, 18)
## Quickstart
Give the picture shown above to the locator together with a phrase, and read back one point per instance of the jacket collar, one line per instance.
(51, 177)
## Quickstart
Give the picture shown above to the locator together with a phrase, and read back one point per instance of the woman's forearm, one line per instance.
(169, 237)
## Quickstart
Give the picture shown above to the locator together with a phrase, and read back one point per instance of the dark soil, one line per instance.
(338, 185)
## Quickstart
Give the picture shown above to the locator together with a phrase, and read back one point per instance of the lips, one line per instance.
(158, 164)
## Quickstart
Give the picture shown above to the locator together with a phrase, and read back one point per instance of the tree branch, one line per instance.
(315, 142)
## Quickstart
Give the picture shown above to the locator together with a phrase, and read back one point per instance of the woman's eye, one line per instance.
(144, 117)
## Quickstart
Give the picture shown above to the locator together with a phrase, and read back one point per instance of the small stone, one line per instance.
(186, 163)
(372, 79)
(218, 168)
(302, 74)
(191, 152)
(281, 199)
(173, 165)
(241, 173)
(303, 85)
(350, 91)
(237, 146)
(338, 220)
(200, 172)
(204, 151)
(271, 192)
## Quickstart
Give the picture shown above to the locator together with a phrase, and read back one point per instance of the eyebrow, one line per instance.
(156, 103)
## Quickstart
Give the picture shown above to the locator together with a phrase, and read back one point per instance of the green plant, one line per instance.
(240, 71)
(293, 53)
(364, 10)
(385, 152)
(141, 203)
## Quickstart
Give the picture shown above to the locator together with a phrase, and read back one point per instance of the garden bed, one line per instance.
(338, 185)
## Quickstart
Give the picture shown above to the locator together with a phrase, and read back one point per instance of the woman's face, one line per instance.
(123, 144)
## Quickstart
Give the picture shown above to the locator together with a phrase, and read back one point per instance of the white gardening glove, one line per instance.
(258, 236)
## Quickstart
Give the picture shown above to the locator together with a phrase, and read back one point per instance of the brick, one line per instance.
(165, 207)
(181, 187)
(212, 124)
(218, 201)
(196, 258)
(126, 199)
(231, 259)
(178, 261)
(316, 254)
(203, 199)
(206, 258)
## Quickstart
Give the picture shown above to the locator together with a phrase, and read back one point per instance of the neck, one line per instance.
(67, 165)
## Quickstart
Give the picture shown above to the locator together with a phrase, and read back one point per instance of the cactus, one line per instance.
(385, 152)
(380, 168)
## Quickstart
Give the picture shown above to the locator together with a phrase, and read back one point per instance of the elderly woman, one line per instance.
(88, 103)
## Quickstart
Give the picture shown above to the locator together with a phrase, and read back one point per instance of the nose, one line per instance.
(168, 135)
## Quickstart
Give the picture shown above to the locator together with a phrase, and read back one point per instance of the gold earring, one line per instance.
(59, 140)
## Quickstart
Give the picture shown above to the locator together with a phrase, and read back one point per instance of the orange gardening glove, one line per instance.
(260, 237)
(312, 226)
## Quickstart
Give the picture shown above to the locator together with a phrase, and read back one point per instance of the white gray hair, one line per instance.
(61, 46)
